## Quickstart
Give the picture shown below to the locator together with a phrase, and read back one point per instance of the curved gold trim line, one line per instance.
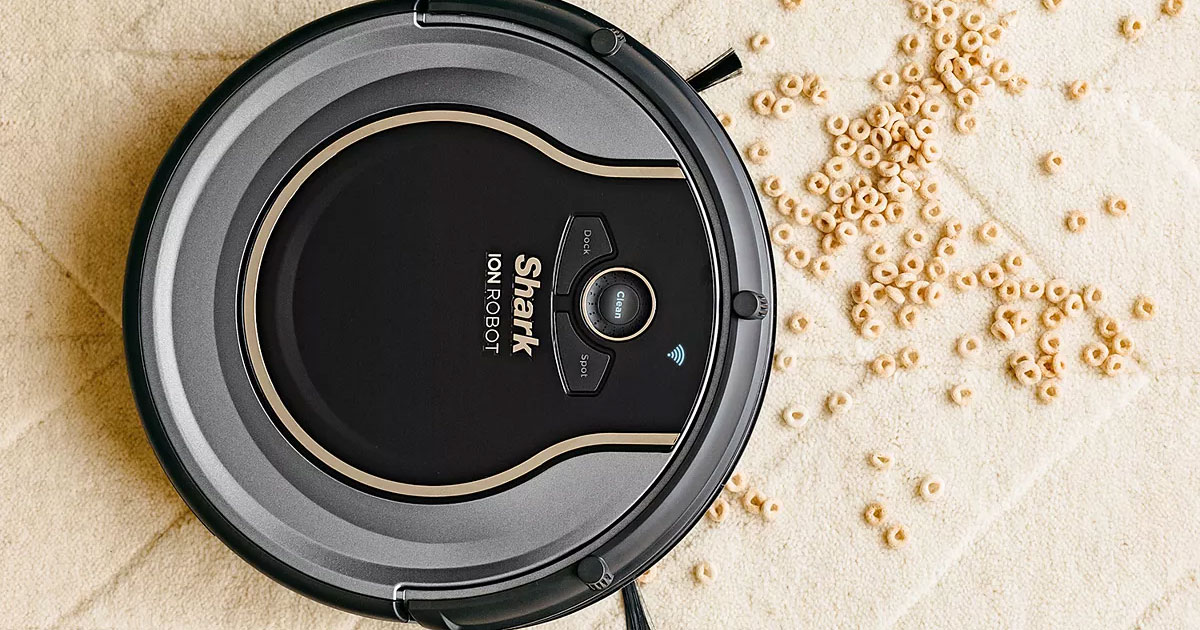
(250, 305)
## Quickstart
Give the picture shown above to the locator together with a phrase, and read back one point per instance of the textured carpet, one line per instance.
(1084, 513)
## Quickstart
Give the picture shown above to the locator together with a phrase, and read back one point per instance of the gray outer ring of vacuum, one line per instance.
(474, 564)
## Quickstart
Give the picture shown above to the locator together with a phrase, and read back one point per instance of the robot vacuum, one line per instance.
(452, 312)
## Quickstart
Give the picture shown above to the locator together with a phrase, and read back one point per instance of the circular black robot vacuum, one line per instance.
(451, 312)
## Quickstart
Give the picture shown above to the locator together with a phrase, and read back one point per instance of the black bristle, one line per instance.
(636, 617)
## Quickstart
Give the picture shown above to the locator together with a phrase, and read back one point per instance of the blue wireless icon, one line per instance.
(677, 354)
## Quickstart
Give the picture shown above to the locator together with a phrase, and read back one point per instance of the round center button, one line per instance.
(618, 304)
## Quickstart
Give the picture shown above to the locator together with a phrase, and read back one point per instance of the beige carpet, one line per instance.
(1080, 514)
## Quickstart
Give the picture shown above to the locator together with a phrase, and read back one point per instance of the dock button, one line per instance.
(584, 240)
(581, 366)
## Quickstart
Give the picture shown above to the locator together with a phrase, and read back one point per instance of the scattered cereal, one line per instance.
(875, 514)
(1048, 391)
(737, 484)
(760, 42)
(1132, 27)
(988, 232)
(648, 576)
(704, 572)
(795, 417)
(1052, 162)
(770, 509)
(1077, 90)
(838, 402)
(896, 536)
(931, 488)
(718, 511)
(1172, 7)
(753, 501)
(1076, 221)
(758, 152)
(1144, 308)
(784, 361)
(968, 346)
(880, 460)
(961, 395)
(1117, 206)
(884, 365)
(909, 357)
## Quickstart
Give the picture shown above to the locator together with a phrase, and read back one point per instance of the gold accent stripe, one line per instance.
(250, 305)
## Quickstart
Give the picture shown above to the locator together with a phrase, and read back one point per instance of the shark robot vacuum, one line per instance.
(452, 312)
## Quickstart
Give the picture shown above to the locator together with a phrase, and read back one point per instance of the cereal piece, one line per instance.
(1076, 221)
(726, 121)
(789, 85)
(791, 5)
(1073, 305)
(786, 205)
(798, 322)
(936, 269)
(1172, 8)
(920, 11)
(966, 123)
(965, 280)
(1014, 262)
(737, 484)
(931, 488)
(784, 361)
(1021, 322)
(991, 275)
(1116, 206)
(880, 460)
(817, 183)
(912, 263)
(952, 228)
(884, 365)
(1002, 70)
(1009, 290)
(972, 20)
(844, 146)
(837, 125)
(916, 291)
(758, 152)
(1053, 162)
(873, 223)
(886, 80)
(860, 313)
(1092, 295)
(1094, 354)
(946, 248)
(932, 109)
(838, 402)
(771, 509)
(845, 232)
(1027, 373)
(803, 214)
(1032, 289)
(1005, 312)
(821, 267)
(916, 237)
(907, 316)
(760, 42)
(877, 252)
(1050, 342)
(772, 186)
(762, 102)
(1057, 291)
(648, 576)
(753, 501)
(988, 232)
(1107, 327)
(820, 96)
(1121, 344)
(1017, 85)
(1019, 357)
(968, 346)
(1132, 27)
(912, 72)
(1114, 364)
(798, 257)
(704, 572)
(932, 211)
(909, 357)
(961, 395)
(896, 536)
(1003, 330)
(718, 510)
(1077, 90)
(795, 416)
(885, 272)
(871, 329)
(784, 108)
(859, 129)
(875, 514)
(1052, 365)
(1048, 391)
(782, 234)
(1051, 5)
(895, 294)
(933, 293)
(841, 191)
(1144, 308)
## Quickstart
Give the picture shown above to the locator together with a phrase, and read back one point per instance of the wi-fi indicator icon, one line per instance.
(677, 354)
